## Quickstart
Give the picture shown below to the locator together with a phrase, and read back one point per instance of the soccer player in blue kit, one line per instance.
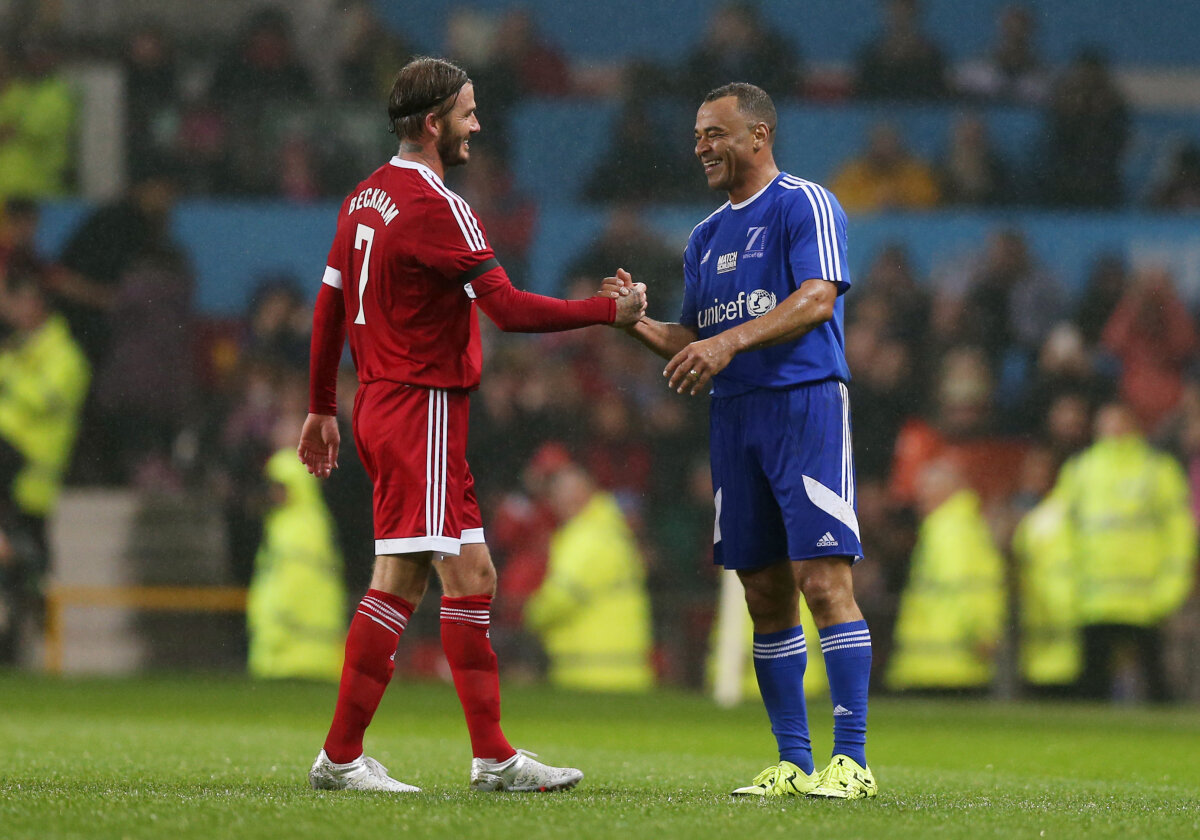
(762, 321)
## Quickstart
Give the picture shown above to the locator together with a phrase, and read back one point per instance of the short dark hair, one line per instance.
(752, 102)
(423, 85)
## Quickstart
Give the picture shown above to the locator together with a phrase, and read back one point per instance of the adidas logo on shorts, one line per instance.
(826, 541)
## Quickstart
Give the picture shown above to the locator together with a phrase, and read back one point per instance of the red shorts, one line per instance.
(413, 443)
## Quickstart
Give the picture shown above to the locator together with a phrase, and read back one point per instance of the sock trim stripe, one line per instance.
(851, 635)
(385, 608)
(383, 612)
(381, 623)
(462, 619)
(780, 655)
(470, 613)
(825, 649)
(785, 643)
(395, 627)
(791, 646)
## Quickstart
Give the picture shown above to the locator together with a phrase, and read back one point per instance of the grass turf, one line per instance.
(214, 757)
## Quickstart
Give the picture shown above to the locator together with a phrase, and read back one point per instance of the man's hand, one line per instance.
(631, 307)
(319, 441)
(630, 296)
(617, 286)
(697, 363)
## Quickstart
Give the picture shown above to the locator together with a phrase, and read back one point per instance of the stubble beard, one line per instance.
(449, 149)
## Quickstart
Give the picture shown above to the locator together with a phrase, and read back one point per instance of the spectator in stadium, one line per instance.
(145, 389)
(1089, 128)
(1011, 71)
(202, 148)
(105, 245)
(739, 44)
(37, 120)
(962, 430)
(627, 479)
(902, 62)
(1133, 540)
(1179, 189)
(43, 381)
(1011, 301)
(592, 610)
(895, 304)
(953, 609)
(637, 167)
(884, 396)
(526, 60)
(1064, 366)
(629, 238)
(19, 218)
(1154, 337)
(369, 53)
(263, 65)
(278, 323)
(886, 176)
(972, 172)
(152, 94)
(296, 603)
(1107, 281)
(1066, 427)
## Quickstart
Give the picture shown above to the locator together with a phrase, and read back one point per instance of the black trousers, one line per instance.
(1101, 642)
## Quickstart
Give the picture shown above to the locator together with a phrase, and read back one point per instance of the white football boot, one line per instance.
(361, 774)
(521, 774)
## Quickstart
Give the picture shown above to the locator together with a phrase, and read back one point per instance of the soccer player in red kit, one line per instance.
(410, 263)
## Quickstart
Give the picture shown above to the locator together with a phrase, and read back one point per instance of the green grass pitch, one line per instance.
(216, 757)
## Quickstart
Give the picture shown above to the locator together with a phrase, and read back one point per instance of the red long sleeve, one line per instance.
(325, 353)
(515, 311)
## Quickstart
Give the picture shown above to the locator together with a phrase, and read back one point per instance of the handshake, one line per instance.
(630, 297)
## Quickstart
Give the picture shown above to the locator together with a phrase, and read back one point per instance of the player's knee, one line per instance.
(768, 607)
(824, 595)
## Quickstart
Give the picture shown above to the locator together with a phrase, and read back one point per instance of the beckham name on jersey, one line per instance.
(377, 199)
(760, 303)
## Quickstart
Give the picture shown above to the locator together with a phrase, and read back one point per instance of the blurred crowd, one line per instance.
(259, 116)
(993, 410)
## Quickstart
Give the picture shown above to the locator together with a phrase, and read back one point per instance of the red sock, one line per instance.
(468, 647)
(370, 660)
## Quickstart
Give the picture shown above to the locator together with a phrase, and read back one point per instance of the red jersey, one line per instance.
(410, 257)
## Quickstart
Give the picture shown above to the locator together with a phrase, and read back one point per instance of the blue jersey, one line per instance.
(746, 258)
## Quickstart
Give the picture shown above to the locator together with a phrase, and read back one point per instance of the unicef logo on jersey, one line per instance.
(760, 302)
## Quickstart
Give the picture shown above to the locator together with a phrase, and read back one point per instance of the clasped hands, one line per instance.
(630, 297)
(693, 367)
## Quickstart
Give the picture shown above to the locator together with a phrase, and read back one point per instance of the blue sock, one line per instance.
(779, 661)
(847, 651)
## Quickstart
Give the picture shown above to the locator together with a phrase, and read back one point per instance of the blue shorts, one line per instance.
(783, 476)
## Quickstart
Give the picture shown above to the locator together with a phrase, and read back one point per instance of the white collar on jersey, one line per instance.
(751, 199)
(412, 164)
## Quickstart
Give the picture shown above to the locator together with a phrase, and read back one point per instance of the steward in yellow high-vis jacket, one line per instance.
(1051, 653)
(296, 607)
(952, 610)
(1134, 551)
(592, 611)
(43, 383)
